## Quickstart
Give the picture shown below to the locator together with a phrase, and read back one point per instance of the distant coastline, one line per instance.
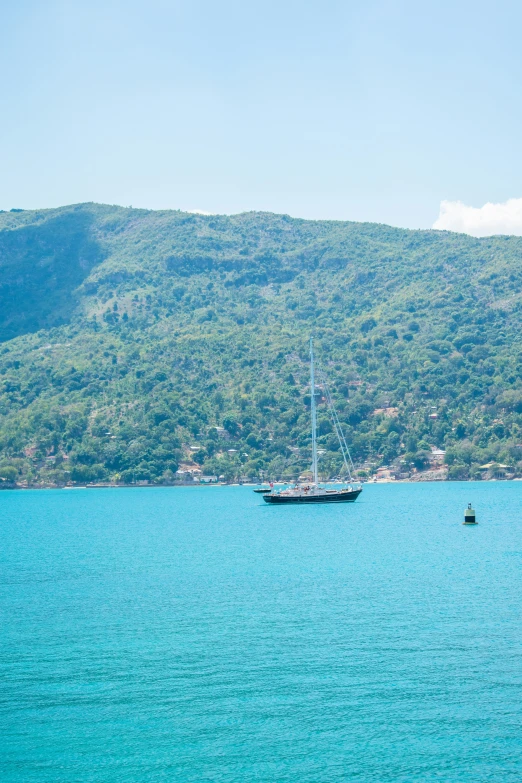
(20, 487)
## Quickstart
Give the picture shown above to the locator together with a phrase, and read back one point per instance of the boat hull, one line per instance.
(341, 497)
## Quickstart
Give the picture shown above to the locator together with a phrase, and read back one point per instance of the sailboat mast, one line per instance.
(314, 414)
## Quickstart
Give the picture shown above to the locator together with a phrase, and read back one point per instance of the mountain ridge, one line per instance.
(194, 315)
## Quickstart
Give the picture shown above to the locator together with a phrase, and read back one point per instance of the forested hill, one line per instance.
(129, 335)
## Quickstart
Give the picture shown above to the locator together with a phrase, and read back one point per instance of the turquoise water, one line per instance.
(198, 634)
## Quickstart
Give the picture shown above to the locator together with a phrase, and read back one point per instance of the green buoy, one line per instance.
(469, 516)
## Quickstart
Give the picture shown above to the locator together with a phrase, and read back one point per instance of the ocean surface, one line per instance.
(198, 634)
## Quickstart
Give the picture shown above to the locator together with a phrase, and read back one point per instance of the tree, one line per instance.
(421, 460)
(8, 473)
(231, 425)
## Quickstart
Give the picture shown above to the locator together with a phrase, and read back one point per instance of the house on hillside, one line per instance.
(495, 470)
(384, 474)
(187, 473)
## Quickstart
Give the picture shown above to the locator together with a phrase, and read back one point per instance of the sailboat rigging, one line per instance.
(313, 492)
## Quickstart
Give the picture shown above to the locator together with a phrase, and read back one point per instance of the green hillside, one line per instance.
(128, 336)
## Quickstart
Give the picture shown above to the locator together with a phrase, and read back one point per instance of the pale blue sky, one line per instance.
(372, 110)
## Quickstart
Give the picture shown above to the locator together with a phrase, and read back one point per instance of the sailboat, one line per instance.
(313, 492)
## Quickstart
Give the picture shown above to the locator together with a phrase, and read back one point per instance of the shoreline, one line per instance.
(237, 484)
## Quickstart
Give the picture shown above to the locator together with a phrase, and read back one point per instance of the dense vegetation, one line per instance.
(129, 336)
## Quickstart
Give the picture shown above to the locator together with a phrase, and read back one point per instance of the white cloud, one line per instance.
(505, 218)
